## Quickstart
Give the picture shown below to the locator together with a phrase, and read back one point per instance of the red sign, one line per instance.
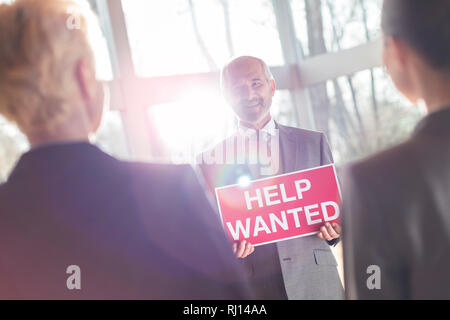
(282, 207)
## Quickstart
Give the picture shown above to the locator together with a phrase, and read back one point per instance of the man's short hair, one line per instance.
(40, 44)
(224, 75)
(424, 25)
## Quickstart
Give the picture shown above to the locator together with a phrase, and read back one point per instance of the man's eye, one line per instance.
(257, 83)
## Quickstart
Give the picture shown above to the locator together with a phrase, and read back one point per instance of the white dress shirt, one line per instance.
(270, 158)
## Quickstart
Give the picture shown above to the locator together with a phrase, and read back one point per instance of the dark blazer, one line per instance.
(300, 268)
(136, 231)
(397, 217)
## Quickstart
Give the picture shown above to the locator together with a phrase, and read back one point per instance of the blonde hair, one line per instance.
(40, 43)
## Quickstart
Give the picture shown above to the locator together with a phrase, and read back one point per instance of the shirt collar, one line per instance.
(269, 128)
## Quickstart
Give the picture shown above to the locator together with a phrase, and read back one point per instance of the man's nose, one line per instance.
(249, 93)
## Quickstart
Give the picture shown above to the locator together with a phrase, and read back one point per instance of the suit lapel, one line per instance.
(288, 149)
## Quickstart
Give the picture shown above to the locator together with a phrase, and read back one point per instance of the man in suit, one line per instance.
(76, 223)
(396, 215)
(302, 268)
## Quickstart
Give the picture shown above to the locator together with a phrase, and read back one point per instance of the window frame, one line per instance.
(130, 94)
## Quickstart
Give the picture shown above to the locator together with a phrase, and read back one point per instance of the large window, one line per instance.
(361, 112)
(367, 114)
(201, 119)
(198, 36)
(193, 36)
(177, 48)
(333, 25)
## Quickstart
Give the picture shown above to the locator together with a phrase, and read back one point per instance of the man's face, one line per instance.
(248, 90)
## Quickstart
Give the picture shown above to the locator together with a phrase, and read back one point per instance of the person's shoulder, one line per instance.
(157, 170)
(304, 134)
(413, 159)
(161, 183)
(309, 140)
(298, 130)
(2, 192)
(396, 165)
(5, 191)
(388, 158)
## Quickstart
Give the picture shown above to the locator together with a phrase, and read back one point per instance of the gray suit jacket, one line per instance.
(396, 217)
(308, 267)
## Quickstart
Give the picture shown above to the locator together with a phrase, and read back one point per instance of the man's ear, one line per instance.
(272, 86)
(85, 78)
(91, 92)
(395, 54)
(398, 57)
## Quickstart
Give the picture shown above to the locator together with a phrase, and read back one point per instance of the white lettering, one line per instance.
(268, 195)
(309, 214)
(282, 223)
(249, 199)
(295, 212)
(284, 196)
(260, 225)
(325, 211)
(300, 189)
(239, 227)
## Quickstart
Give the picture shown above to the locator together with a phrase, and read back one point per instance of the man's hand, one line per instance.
(243, 249)
(330, 231)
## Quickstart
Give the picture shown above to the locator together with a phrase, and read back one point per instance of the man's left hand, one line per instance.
(330, 231)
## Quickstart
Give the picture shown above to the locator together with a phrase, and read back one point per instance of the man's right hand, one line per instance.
(243, 249)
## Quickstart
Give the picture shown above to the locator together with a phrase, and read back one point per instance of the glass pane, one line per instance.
(193, 36)
(12, 144)
(332, 25)
(191, 124)
(101, 55)
(97, 40)
(111, 137)
(198, 121)
(282, 109)
(364, 116)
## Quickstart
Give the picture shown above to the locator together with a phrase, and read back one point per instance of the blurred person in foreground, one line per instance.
(396, 215)
(76, 223)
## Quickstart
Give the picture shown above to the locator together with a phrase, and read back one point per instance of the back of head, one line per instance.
(424, 25)
(41, 41)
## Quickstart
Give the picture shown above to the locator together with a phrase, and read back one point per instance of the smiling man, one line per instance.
(249, 87)
(302, 268)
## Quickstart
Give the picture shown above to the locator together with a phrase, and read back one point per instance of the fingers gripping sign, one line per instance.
(330, 231)
(243, 249)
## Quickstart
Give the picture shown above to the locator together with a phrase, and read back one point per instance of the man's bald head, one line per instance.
(248, 86)
(237, 63)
